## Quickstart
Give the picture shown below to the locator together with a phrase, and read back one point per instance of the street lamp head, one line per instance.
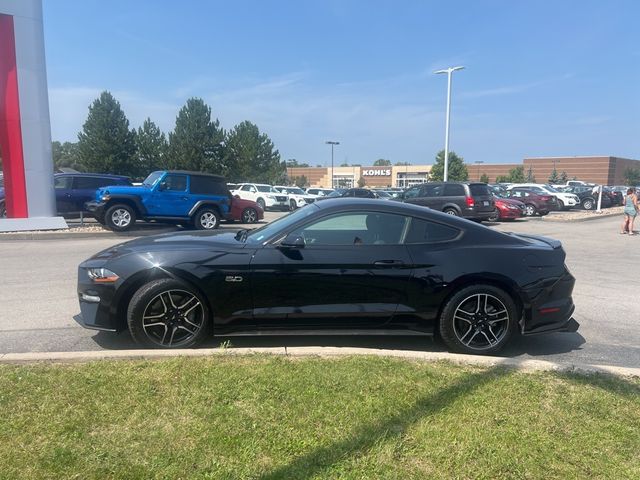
(450, 69)
(329, 142)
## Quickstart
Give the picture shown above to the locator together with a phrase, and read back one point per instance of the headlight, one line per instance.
(102, 275)
(105, 198)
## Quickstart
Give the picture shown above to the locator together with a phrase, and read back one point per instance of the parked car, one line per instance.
(565, 200)
(589, 196)
(508, 209)
(616, 196)
(245, 211)
(264, 195)
(297, 197)
(74, 190)
(473, 201)
(319, 192)
(334, 266)
(356, 192)
(534, 204)
(186, 198)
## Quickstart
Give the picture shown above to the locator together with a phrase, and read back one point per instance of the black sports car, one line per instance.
(339, 266)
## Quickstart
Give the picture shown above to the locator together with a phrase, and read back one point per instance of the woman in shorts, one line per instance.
(630, 211)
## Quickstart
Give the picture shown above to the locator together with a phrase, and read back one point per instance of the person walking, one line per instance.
(630, 211)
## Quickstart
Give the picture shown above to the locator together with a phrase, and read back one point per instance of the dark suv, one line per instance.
(73, 190)
(469, 200)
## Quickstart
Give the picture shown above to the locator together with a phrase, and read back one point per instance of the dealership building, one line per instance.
(605, 170)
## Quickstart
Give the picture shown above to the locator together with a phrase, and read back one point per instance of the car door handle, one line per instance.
(184, 198)
(388, 263)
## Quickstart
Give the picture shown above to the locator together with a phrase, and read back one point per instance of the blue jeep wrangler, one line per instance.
(185, 198)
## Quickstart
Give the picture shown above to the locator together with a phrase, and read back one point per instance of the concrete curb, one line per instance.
(476, 360)
(593, 216)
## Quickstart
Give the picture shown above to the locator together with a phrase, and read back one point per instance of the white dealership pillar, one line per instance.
(25, 130)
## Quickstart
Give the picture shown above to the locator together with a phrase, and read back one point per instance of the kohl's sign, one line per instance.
(376, 172)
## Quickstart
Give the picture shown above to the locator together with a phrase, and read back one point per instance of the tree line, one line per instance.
(107, 144)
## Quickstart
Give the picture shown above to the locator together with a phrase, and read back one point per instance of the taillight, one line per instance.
(545, 198)
(470, 202)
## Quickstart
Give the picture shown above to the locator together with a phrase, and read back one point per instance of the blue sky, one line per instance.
(542, 77)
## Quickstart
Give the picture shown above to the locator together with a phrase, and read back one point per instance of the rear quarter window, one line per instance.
(207, 186)
(423, 231)
(454, 190)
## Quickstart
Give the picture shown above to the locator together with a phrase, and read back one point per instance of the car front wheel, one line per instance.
(120, 217)
(588, 204)
(262, 204)
(478, 319)
(167, 313)
(292, 205)
(207, 219)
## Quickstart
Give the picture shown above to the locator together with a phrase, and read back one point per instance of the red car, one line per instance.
(508, 209)
(245, 211)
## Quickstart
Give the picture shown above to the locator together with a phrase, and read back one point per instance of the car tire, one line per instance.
(3, 211)
(262, 204)
(588, 203)
(168, 313)
(478, 319)
(561, 205)
(120, 217)
(451, 211)
(530, 210)
(292, 205)
(495, 217)
(206, 218)
(249, 215)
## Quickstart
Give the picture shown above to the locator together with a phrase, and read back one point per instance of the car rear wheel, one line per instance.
(478, 319)
(529, 210)
(120, 217)
(494, 217)
(262, 204)
(206, 219)
(249, 215)
(167, 313)
(451, 211)
(292, 205)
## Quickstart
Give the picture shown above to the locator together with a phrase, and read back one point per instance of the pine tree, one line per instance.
(484, 178)
(530, 177)
(457, 169)
(106, 145)
(554, 178)
(152, 148)
(196, 142)
(252, 155)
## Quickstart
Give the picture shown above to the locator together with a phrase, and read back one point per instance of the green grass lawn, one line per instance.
(272, 417)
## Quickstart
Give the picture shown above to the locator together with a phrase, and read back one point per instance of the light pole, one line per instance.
(332, 143)
(478, 162)
(448, 71)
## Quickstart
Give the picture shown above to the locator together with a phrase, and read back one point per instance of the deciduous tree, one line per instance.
(457, 168)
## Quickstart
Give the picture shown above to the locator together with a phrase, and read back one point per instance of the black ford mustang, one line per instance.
(339, 266)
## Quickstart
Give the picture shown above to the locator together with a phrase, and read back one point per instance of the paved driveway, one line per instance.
(38, 299)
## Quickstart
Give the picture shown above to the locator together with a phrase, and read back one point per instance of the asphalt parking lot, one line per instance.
(38, 299)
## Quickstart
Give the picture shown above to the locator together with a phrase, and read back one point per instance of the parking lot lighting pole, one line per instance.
(329, 142)
(448, 71)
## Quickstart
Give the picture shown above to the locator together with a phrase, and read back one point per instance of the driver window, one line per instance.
(175, 183)
(356, 228)
(246, 188)
(412, 192)
(63, 183)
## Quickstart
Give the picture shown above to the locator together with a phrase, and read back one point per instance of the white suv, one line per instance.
(264, 195)
(565, 200)
(297, 196)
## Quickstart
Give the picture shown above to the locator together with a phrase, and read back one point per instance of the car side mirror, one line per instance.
(293, 241)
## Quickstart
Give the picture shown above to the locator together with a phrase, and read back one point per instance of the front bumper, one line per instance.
(507, 213)
(95, 208)
(97, 303)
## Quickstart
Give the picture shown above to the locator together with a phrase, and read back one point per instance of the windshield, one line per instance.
(383, 194)
(336, 193)
(294, 190)
(152, 179)
(549, 188)
(262, 234)
(266, 188)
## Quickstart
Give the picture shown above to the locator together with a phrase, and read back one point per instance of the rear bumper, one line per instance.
(549, 307)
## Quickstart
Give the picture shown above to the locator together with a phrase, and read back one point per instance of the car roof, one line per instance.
(200, 174)
(80, 174)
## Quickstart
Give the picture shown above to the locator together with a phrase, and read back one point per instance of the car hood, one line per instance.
(120, 190)
(176, 241)
(510, 201)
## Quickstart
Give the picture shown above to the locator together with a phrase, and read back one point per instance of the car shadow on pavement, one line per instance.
(550, 344)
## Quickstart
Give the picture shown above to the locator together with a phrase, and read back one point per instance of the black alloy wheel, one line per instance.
(206, 219)
(530, 210)
(167, 313)
(478, 319)
(249, 215)
(120, 217)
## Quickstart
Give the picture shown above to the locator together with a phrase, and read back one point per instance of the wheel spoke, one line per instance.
(493, 334)
(153, 317)
(467, 333)
(170, 299)
(197, 304)
(488, 340)
(458, 317)
(191, 299)
(182, 327)
(173, 332)
(471, 339)
(155, 324)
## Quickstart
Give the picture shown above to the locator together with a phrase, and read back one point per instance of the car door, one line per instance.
(352, 272)
(63, 188)
(84, 190)
(170, 197)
